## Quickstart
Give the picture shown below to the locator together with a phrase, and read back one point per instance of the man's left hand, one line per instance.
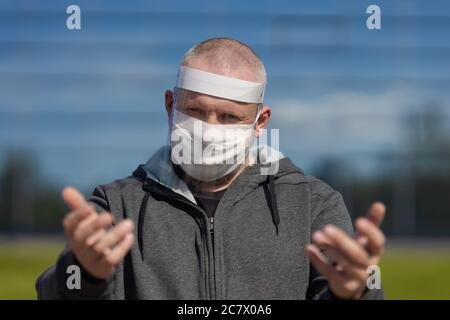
(351, 256)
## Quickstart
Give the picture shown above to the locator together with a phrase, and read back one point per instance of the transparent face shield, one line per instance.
(212, 128)
(210, 138)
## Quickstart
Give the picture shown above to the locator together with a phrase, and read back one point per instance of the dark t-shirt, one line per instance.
(209, 200)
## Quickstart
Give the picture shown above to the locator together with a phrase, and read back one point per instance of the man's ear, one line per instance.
(263, 120)
(169, 102)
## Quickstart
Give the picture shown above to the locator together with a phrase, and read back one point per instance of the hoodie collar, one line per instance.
(159, 169)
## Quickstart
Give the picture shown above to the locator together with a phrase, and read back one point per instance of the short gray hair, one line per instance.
(227, 54)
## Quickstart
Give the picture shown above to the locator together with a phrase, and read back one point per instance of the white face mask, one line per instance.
(208, 152)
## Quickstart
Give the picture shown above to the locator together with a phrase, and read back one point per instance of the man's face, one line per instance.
(214, 110)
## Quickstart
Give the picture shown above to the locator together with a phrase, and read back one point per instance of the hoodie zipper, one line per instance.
(213, 268)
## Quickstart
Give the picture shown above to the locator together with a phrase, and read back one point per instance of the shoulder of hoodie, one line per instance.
(133, 181)
(289, 173)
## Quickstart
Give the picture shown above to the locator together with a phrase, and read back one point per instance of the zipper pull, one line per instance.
(211, 226)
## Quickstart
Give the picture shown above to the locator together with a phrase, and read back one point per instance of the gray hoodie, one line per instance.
(253, 249)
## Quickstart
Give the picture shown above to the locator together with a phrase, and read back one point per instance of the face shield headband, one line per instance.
(220, 86)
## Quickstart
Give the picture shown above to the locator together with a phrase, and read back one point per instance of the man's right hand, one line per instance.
(98, 246)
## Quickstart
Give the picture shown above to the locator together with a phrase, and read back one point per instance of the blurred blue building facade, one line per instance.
(353, 105)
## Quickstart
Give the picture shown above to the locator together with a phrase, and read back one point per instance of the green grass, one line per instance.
(406, 273)
(20, 265)
(416, 274)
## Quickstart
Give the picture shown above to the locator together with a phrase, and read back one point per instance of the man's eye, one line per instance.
(194, 110)
(232, 117)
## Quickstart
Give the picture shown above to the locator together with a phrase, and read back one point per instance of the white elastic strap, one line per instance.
(220, 86)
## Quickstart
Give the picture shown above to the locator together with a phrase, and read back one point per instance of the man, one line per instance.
(207, 229)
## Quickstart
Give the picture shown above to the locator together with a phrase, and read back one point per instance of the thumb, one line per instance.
(376, 213)
(73, 198)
